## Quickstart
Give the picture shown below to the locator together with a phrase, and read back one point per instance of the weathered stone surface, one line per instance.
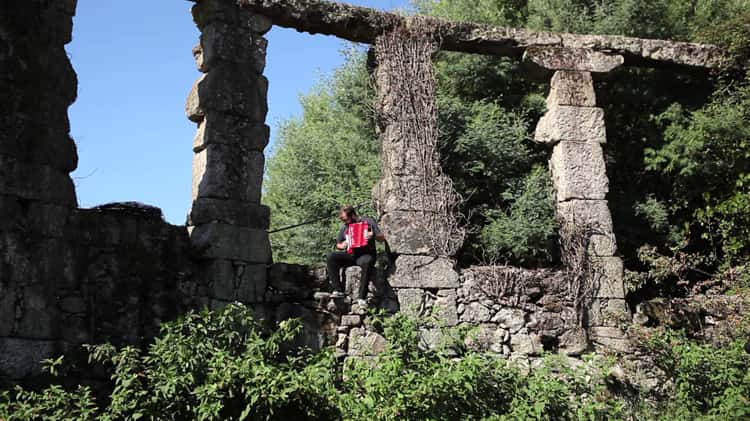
(401, 193)
(608, 312)
(593, 217)
(424, 272)
(233, 212)
(410, 233)
(525, 343)
(574, 342)
(222, 241)
(222, 42)
(512, 319)
(607, 274)
(226, 129)
(236, 281)
(611, 338)
(577, 59)
(476, 313)
(360, 24)
(224, 172)
(444, 309)
(571, 88)
(35, 182)
(411, 301)
(487, 338)
(21, 358)
(578, 171)
(208, 11)
(576, 124)
(351, 320)
(363, 342)
(231, 90)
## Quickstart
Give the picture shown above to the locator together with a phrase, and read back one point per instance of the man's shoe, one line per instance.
(337, 294)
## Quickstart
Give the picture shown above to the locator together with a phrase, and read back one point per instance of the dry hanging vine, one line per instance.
(413, 180)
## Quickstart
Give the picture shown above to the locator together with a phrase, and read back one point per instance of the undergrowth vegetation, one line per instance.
(225, 366)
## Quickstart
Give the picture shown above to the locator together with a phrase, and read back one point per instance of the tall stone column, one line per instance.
(576, 128)
(415, 199)
(37, 84)
(228, 225)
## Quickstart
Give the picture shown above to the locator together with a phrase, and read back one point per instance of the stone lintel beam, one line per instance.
(360, 24)
(545, 60)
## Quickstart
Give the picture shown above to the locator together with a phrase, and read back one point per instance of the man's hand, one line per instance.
(342, 245)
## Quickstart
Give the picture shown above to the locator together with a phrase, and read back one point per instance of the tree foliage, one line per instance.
(225, 365)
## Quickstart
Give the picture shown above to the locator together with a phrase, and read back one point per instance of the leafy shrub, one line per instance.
(205, 366)
(523, 233)
(709, 382)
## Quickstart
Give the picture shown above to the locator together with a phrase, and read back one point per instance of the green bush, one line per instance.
(225, 366)
(524, 233)
(709, 382)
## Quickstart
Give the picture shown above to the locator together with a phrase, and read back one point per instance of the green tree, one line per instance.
(325, 158)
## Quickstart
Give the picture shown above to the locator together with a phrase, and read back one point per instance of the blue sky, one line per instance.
(135, 69)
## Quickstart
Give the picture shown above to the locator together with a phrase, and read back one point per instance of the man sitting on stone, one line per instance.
(363, 256)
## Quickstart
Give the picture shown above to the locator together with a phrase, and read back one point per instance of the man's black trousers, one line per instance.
(341, 259)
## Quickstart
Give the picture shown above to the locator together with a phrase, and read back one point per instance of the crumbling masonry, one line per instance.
(70, 276)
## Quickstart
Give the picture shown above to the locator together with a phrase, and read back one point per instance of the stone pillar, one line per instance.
(227, 223)
(576, 128)
(37, 84)
(415, 199)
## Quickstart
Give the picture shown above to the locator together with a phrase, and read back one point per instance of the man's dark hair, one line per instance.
(349, 210)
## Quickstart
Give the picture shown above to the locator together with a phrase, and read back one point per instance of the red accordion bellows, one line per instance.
(355, 233)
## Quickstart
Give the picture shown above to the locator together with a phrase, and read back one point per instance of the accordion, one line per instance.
(355, 235)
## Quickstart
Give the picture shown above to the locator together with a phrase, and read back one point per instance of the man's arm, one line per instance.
(379, 236)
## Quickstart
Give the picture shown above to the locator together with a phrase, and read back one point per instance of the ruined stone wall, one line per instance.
(70, 276)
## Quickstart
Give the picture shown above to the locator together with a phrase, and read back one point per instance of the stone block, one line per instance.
(512, 319)
(229, 89)
(607, 277)
(592, 217)
(445, 309)
(402, 193)
(577, 59)
(208, 11)
(610, 338)
(607, 312)
(352, 279)
(225, 129)
(225, 172)
(297, 280)
(222, 241)
(236, 281)
(487, 338)
(476, 313)
(37, 315)
(221, 42)
(573, 342)
(36, 182)
(22, 358)
(575, 124)
(233, 212)
(410, 233)
(424, 272)
(411, 301)
(525, 344)
(363, 342)
(571, 88)
(351, 320)
(578, 171)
